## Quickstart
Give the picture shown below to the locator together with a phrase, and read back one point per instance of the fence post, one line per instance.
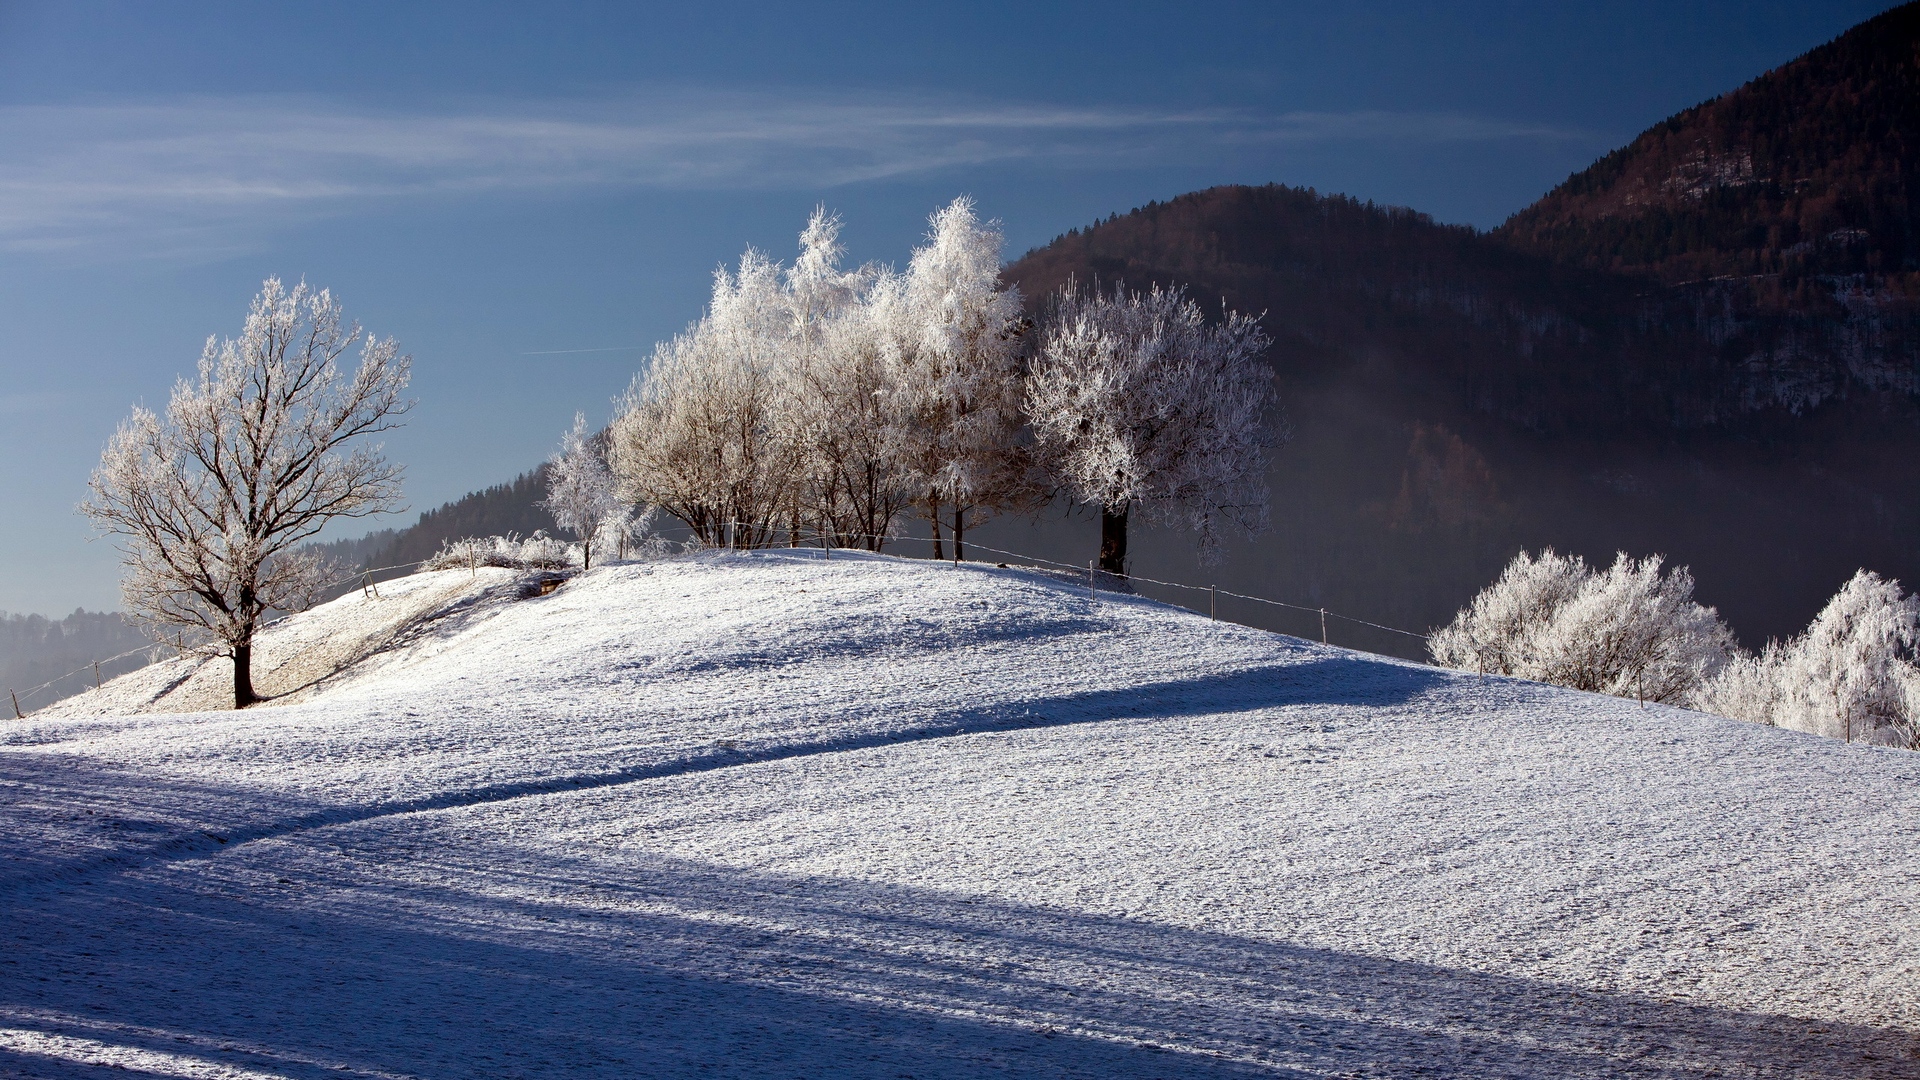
(96, 674)
(17, 714)
(1090, 590)
(1323, 626)
(1213, 603)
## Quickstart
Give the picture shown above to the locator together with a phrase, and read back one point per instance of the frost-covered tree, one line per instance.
(1502, 630)
(1138, 404)
(250, 460)
(955, 370)
(1852, 675)
(582, 494)
(855, 486)
(1629, 630)
(821, 401)
(699, 434)
(837, 410)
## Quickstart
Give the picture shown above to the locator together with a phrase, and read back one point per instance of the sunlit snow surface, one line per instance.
(776, 816)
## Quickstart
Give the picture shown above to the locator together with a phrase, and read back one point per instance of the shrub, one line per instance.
(1629, 630)
(537, 552)
(1851, 675)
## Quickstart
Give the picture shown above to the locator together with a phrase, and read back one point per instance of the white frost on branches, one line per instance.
(1628, 630)
(819, 401)
(955, 369)
(1140, 405)
(250, 460)
(1851, 675)
(581, 491)
(699, 433)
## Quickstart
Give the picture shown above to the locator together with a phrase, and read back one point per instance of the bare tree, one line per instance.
(1138, 404)
(581, 492)
(248, 462)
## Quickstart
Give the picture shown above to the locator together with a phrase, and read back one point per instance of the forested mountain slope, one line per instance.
(36, 650)
(1453, 399)
(1811, 169)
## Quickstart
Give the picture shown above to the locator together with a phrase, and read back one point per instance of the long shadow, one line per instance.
(233, 815)
(434, 624)
(493, 960)
(65, 816)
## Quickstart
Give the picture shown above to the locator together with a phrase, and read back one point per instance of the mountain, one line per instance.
(774, 814)
(1706, 345)
(1454, 398)
(1811, 170)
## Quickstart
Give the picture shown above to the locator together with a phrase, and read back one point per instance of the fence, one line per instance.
(824, 540)
(364, 576)
(825, 543)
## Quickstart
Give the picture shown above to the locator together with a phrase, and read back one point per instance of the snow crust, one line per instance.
(774, 815)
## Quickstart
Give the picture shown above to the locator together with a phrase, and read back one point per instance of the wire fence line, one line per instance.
(825, 540)
(94, 665)
(1211, 590)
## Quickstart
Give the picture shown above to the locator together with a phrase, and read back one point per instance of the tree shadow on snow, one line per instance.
(437, 956)
(106, 817)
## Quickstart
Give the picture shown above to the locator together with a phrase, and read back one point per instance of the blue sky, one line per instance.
(505, 187)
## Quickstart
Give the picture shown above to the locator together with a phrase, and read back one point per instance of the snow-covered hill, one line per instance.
(773, 815)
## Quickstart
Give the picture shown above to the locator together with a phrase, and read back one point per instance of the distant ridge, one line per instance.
(1725, 369)
(495, 511)
(1811, 169)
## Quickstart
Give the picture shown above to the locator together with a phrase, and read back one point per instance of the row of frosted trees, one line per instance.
(816, 403)
(1635, 630)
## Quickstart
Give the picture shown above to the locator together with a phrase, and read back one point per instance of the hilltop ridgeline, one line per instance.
(1812, 169)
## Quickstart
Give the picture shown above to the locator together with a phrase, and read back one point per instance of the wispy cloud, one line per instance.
(195, 169)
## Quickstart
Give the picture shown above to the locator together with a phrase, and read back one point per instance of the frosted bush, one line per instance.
(1851, 675)
(1498, 631)
(1748, 688)
(1629, 630)
(534, 553)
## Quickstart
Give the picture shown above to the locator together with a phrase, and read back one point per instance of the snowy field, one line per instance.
(768, 815)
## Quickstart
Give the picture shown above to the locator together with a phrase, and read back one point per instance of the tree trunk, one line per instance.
(959, 532)
(243, 694)
(1113, 542)
(586, 554)
(933, 515)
